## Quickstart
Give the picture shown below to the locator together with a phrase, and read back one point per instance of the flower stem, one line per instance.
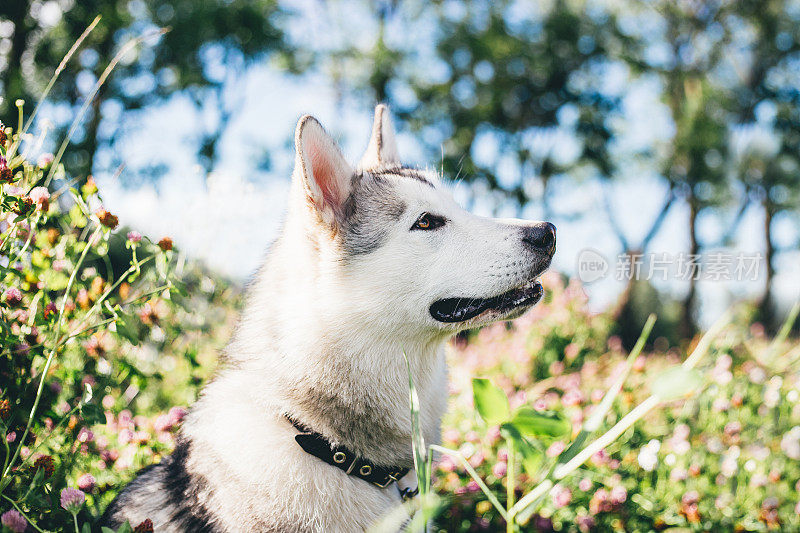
(489, 494)
(510, 486)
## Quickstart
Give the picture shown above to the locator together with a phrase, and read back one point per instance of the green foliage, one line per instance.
(490, 401)
(533, 423)
(90, 329)
(714, 448)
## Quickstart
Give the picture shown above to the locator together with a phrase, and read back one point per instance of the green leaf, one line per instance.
(490, 401)
(417, 439)
(86, 528)
(126, 326)
(93, 414)
(105, 529)
(533, 423)
(676, 382)
(532, 457)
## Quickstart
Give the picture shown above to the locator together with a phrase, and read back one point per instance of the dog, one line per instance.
(306, 426)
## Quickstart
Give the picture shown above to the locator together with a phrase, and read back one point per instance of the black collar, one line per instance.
(341, 457)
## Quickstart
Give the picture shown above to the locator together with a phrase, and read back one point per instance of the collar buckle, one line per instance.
(390, 478)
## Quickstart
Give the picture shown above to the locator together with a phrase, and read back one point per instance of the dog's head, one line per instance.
(396, 249)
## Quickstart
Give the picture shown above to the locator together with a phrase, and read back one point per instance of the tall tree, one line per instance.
(769, 104)
(209, 44)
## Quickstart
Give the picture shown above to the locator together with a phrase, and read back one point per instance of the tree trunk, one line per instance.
(13, 80)
(687, 325)
(621, 307)
(766, 309)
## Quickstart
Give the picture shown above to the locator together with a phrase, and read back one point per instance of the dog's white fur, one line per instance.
(320, 328)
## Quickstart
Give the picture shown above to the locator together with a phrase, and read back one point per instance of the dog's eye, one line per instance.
(426, 221)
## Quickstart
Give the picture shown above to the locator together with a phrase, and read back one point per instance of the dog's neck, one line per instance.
(357, 394)
(337, 373)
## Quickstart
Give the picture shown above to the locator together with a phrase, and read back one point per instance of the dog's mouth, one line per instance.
(462, 309)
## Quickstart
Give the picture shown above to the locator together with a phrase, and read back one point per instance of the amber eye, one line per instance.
(426, 221)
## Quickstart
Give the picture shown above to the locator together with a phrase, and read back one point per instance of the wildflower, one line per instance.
(72, 499)
(46, 463)
(45, 160)
(149, 314)
(556, 368)
(585, 523)
(769, 513)
(49, 311)
(22, 206)
(85, 435)
(476, 460)
(772, 396)
(145, 527)
(162, 423)
(724, 362)
(13, 520)
(618, 495)
(720, 405)
(599, 502)
(689, 507)
(452, 436)
(108, 401)
(541, 523)
(493, 435)
(585, 484)
(500, 469)
(3, 135)
(12, 296)
(732, 429)
(600, 457)
(648, 458)
(41, 197)
(86, 482)
(5, 409)
(6, 174)
(678, 474)
(165, 244)
(125, 419)
(555, 449)
(572, 397)
(107, 219)
(561, 496)
(134, 236)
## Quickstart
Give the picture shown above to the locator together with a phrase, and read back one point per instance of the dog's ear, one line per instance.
(325, 174)
(382, 148)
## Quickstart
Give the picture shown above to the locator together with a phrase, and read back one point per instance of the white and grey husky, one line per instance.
(306, 427)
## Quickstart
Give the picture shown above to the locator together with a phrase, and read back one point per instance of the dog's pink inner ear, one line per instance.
(326, 173)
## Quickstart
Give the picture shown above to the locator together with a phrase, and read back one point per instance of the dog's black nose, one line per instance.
(541, 237)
